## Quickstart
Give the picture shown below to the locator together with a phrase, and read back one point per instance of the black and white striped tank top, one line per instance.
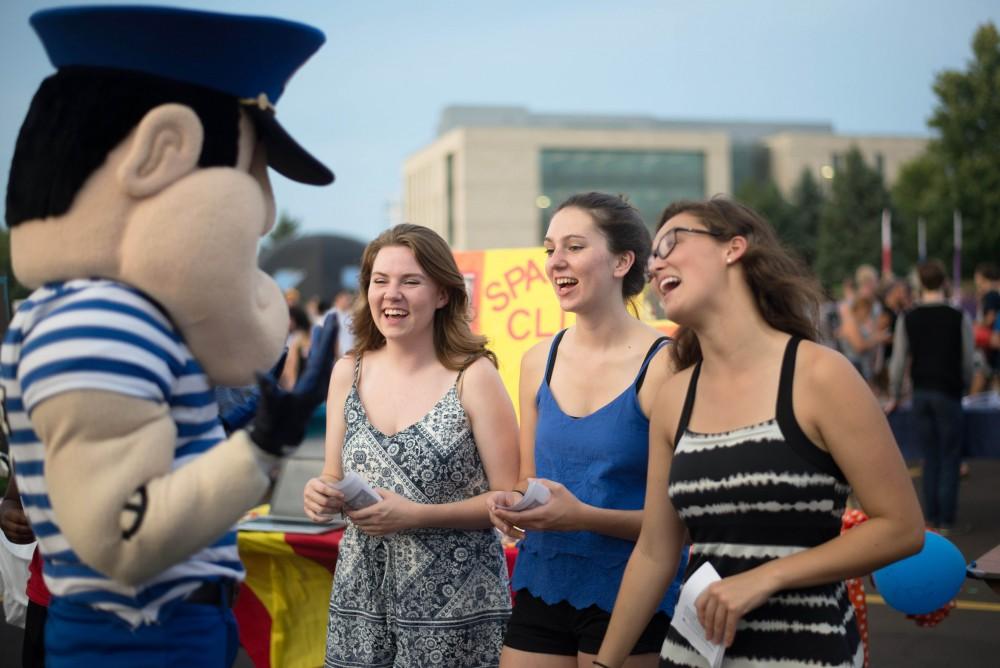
(752, 495)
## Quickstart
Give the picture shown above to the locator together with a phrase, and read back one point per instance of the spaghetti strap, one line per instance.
(551, 363)
(357, 369)
(653, 349)
(688, 404)
(784, 401)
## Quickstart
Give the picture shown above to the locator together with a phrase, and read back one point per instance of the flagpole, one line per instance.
(956, 263)
(886, 243)
(921, 239)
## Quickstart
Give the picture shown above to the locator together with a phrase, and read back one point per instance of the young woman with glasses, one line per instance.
(755, 444)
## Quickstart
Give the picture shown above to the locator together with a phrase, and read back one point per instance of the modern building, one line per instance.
(493, 175)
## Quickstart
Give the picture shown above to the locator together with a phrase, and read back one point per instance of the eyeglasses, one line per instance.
(665, 246)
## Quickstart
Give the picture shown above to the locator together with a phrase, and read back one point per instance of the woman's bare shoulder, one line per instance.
(534, 358)
(676, 385)
(481, 370)
(821, 365)
(343, 371)
(649, 336)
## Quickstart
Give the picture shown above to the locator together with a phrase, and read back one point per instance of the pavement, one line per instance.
(968, 638)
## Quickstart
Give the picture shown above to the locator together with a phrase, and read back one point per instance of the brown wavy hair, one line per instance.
(455, 343)
(786, 293)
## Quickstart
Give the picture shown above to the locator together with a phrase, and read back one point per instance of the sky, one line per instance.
(374, 92)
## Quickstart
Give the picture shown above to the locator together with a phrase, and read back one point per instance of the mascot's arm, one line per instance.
(105, 451)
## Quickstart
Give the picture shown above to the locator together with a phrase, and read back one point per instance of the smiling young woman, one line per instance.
(755, 444)
(585, 399)
(420, 412)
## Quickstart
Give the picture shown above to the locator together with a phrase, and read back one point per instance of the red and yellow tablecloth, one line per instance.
(282, 607)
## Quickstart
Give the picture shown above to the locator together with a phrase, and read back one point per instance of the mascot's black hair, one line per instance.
(79, 114)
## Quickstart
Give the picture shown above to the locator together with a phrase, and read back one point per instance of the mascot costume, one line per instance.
(138, 193)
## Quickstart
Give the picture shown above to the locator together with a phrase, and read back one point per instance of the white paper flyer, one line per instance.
(686, 615)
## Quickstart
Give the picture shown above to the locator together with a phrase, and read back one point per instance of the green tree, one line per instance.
(968, 119)
(921, 192)
(795, 221)
(850, 223)
(961, 167)
(764, 197)
(14, 289)
(286, 228)
(806, 210)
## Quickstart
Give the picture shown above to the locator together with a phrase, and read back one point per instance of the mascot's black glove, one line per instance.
(239, 410)
(282, 416)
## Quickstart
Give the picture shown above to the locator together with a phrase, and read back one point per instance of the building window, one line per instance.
(751, 163)
(650, 179)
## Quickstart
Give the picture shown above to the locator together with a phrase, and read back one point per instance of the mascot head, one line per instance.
(144, 159)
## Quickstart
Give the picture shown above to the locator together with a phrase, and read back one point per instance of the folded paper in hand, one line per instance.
(536, 495)
(358, 493)
(685, 618)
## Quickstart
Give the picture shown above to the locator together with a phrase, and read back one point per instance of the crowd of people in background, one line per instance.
(919, 341)
(862, 324)
(305, 323)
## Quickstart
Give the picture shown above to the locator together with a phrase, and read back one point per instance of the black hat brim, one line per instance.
(285, 155)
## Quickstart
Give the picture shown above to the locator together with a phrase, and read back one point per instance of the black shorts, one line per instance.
(536, 626)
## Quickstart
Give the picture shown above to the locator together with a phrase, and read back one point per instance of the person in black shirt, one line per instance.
(937, 338)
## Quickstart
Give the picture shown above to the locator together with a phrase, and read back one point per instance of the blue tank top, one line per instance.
(601, 458)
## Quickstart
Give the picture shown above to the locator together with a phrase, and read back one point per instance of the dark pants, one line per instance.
(33, 647)
(939, 431)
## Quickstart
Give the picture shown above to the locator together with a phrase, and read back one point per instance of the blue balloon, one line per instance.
(926, 581)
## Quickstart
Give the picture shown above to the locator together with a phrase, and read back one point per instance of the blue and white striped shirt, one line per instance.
(96, 334)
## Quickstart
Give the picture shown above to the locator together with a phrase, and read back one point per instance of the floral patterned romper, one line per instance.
(423, 597)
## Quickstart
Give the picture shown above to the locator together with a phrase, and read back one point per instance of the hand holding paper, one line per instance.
(536, 495)
(358, 493)
(685, 618)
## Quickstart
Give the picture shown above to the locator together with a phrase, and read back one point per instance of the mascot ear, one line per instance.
(164, 147)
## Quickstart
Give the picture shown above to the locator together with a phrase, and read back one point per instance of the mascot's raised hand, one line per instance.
(281, 416)
(311, 387)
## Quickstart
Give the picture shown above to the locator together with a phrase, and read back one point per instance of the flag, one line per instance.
(282, 608)
(886, 243)
(956, 265)
(921, 239)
